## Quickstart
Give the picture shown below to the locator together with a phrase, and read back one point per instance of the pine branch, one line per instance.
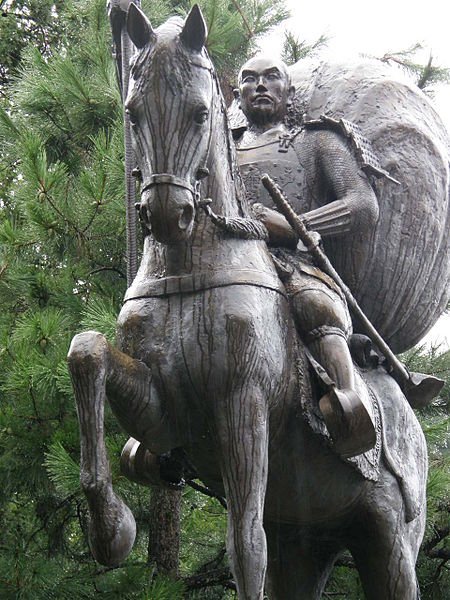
(429, 547)
(221, 576)
(205, 490)
(442, 553)
(48, 518)
(100, 269)
(250, 32)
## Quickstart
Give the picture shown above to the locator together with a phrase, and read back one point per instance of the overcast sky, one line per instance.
(375, 28)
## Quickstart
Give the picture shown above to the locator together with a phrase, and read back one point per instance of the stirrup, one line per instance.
(350, 425)
(140, 465)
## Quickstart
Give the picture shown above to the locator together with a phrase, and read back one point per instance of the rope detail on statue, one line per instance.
(240, 227)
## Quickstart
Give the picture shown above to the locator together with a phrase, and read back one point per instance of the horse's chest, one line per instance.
(201, 344)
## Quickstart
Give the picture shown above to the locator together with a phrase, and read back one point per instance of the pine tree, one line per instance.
(426, 76)
(62, 270)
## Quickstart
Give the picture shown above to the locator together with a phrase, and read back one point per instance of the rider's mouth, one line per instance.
(262, 99)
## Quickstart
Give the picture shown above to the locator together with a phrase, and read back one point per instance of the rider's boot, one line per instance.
(345, 412)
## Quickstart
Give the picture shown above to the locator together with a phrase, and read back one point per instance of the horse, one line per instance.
(207, 360)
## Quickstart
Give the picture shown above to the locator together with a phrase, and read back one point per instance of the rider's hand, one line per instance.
(280, 232)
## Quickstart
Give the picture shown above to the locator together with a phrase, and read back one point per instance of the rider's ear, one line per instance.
(139, 27)
(237, 97)
(194, 31)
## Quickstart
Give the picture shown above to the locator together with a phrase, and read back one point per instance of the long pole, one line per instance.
(323, 263)
(117, 10)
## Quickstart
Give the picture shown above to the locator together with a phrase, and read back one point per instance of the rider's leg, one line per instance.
(323, 322)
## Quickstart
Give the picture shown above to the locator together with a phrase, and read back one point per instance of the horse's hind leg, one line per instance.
(298, 565)
(95, 368)
(385, 547)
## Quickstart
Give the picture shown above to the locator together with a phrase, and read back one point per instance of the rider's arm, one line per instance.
(349, 202)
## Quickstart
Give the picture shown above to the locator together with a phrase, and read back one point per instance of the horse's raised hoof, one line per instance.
(348, 421)
(112, 530)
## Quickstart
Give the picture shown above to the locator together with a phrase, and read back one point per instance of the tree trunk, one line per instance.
(164, 531)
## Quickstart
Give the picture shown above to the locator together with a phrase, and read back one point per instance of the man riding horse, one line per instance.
(323, 179)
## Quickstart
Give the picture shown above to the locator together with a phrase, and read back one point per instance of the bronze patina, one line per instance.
(208, 359)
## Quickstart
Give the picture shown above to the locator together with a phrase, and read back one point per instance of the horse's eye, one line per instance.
(131, 116)
(201, 116)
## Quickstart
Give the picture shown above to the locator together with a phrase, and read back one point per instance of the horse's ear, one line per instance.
(139, 27)
(194, 30)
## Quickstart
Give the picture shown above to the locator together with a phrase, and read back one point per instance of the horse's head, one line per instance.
(170, 105)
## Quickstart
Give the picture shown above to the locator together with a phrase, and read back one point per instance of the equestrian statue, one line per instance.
(236, 348)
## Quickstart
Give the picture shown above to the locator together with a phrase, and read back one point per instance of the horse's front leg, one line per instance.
(97, 368)
(242, 427)
(243, 433)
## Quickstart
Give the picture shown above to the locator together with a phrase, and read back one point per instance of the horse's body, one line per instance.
(207, 361)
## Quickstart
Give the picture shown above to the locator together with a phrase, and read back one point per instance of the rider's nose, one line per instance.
(261, 84)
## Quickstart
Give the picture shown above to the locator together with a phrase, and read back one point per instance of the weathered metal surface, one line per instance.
(400, 271)
(219, 372)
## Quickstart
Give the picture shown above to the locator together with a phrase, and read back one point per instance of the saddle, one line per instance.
(391, 414)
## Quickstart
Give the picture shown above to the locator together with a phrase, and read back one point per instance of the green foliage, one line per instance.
(295, 49)
(24, 23)
(62, 470)
(425, 75)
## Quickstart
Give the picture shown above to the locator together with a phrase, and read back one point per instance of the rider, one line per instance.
(324, 182)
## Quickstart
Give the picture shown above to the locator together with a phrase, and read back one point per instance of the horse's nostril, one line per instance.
(186, 217)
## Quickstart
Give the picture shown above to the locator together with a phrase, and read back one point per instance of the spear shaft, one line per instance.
(323, 263)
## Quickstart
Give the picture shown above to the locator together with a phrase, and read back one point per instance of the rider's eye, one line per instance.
(201, 116)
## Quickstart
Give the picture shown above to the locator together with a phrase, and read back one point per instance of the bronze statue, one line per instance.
(208, 360)
(317, 170)
(399, 270)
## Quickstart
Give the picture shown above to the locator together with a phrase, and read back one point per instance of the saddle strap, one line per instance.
(199, 282)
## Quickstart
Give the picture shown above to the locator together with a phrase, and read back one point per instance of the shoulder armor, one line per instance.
(361, 146)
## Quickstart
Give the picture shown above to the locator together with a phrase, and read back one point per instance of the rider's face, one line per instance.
(264, 90)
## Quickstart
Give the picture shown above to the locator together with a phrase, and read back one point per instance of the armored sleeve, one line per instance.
(349, 203)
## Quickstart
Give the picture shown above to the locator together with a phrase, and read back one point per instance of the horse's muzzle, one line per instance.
(169, 212)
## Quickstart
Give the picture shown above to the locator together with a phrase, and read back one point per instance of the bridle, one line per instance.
(169, 179)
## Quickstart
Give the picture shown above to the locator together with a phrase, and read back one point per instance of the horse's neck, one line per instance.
(209, 249)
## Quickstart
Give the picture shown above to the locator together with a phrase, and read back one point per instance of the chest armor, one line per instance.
(279, 159)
